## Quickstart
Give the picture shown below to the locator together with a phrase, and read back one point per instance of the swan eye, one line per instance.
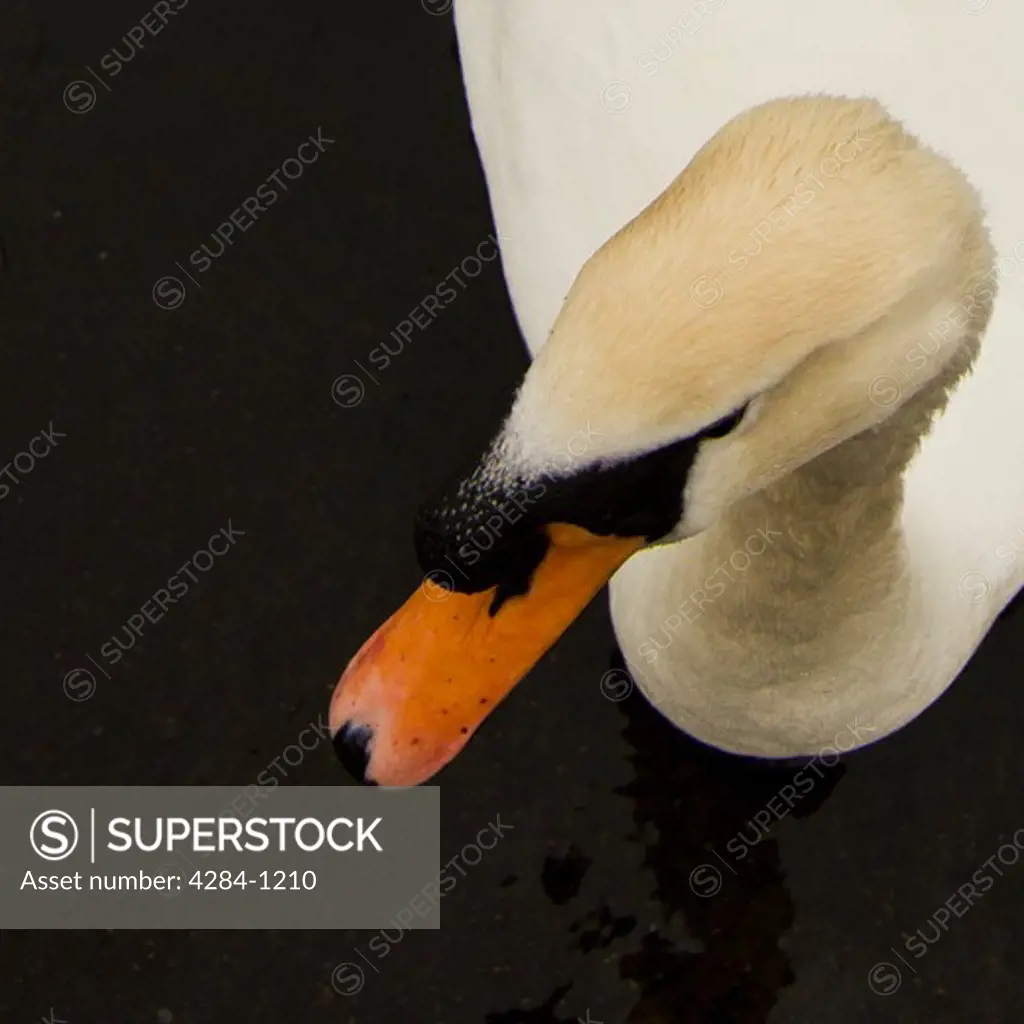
(726, 424)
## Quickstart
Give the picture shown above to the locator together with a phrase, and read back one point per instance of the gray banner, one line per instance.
(214, 857)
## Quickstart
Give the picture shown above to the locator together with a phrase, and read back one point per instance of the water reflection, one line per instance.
(716, 866)
(708, 822)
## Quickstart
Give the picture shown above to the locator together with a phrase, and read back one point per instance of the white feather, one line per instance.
(584, 110)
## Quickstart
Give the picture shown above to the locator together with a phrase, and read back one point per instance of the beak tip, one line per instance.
(352, 746)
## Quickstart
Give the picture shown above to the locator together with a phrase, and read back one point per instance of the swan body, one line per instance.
(787, 613)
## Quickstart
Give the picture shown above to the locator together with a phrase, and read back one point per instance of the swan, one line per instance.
(769, 260)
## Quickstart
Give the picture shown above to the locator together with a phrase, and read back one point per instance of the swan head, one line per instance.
(725, 337)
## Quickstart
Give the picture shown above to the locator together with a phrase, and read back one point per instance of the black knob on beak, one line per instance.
(352, 745)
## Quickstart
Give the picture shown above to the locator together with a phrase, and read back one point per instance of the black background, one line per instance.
(177, 421)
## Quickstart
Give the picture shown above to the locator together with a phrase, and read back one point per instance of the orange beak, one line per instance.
(424, 682)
